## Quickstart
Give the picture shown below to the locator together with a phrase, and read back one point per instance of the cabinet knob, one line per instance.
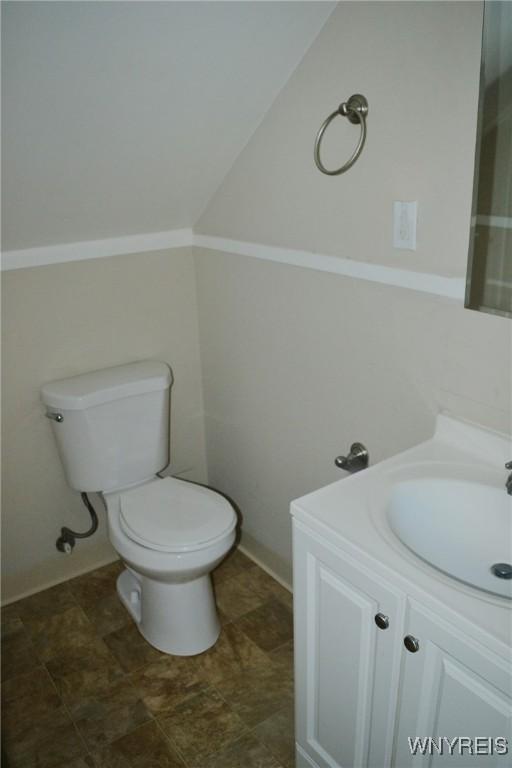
(381, 621)
(411, 643)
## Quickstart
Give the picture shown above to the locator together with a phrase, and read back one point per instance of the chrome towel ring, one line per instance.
(356, 109)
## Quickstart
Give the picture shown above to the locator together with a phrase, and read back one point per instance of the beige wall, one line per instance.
(121, 118)
(63, 320)
(418, 65)
(297, 364)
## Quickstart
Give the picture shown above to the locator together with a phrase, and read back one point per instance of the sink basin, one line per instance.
(463, 528)
(436, 517)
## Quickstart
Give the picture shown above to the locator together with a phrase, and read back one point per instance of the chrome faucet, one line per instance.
(508, 483)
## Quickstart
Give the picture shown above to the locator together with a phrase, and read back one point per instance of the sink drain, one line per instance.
(502, 570)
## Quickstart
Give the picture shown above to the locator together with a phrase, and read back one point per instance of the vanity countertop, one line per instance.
(351, 514)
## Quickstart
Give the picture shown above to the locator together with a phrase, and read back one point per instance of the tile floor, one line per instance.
(82, 689)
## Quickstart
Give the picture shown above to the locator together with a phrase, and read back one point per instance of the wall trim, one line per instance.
(500, 222)
(41, 587)
(96, 249)
(114, 559)
(450, 287)
(275, 565)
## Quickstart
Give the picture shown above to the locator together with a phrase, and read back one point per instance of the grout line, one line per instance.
(77, 730)
(67, 710)
(261, 741)
(277, 712)
(248, 729)
(231, 743)
(172, 743)
(279, 647)
(232, 708)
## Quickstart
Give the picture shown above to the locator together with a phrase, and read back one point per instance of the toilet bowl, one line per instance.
(170, 534)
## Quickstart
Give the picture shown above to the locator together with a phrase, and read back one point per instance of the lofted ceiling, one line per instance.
(124, 117)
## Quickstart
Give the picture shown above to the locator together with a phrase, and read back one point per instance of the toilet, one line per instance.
(112, 432)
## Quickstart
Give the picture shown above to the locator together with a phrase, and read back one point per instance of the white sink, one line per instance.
(460, 526)
(436, 516)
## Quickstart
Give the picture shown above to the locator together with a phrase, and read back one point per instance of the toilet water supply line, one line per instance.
(66, 540)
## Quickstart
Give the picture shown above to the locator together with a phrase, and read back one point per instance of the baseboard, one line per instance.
(268, 561)
(275, 566)
(61, 580)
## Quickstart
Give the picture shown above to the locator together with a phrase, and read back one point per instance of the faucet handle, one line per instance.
(508, 465)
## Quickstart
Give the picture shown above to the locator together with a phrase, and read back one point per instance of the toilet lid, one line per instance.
(172, 515)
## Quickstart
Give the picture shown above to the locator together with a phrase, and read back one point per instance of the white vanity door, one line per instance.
(451, 687)
(346, 667)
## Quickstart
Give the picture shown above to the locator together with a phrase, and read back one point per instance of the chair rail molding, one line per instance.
(96, 249)
(425, 282)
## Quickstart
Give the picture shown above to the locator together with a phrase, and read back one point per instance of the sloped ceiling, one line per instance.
(124, 117)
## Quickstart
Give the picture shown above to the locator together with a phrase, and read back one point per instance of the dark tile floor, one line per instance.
(81, 688)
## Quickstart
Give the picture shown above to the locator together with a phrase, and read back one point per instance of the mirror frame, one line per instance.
(470, 300)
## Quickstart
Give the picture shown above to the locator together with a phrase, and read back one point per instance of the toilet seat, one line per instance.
(171, 515)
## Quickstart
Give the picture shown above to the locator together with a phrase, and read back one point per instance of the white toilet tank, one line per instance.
(114, 430)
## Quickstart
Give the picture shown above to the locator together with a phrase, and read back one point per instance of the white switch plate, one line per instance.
(404, 224)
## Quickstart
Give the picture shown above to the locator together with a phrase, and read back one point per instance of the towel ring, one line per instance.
(356, 109)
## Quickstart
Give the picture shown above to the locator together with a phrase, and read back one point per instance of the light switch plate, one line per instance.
(404, 224)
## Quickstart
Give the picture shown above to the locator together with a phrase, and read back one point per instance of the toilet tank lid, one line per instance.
(89, 389)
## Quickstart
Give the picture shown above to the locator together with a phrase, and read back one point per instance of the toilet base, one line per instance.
(179, 619)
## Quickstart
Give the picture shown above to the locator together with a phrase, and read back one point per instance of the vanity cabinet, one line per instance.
(451, 687)
(347, 669)
(360, 693)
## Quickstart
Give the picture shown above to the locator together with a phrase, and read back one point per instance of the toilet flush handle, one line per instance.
(55, 416)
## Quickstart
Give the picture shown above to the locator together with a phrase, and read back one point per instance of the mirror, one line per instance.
(489, 284)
